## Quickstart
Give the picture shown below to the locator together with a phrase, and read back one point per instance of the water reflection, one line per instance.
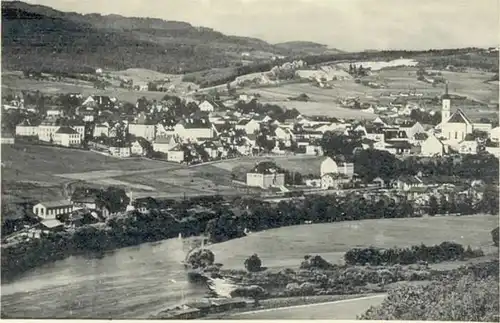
(127, 283)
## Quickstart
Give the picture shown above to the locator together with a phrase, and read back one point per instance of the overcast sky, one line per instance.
(344, 24)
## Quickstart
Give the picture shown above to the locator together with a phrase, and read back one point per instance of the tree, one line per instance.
(494, 236)
(253, 263)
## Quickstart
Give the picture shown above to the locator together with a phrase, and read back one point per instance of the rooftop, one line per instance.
(67, 130)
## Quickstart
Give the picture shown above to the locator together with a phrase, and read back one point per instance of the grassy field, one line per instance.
(302, 164)
(286, 247)
(30, 171)
(471, 84)
(16, 84)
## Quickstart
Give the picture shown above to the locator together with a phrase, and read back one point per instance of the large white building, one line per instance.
(67, 136)
(49, 210)
(265, 176)
(193, 129)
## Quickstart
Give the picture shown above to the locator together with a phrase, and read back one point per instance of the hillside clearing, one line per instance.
(286, 247)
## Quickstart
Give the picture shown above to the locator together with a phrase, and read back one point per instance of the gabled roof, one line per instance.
(66, 130)
(164, 140)
(459, 117)
(54, 204)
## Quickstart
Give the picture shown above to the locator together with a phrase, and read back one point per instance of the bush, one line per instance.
(253, 263)
(200, 258)
(494, 236)
(315, 262)
(466, 299)
(405, 256)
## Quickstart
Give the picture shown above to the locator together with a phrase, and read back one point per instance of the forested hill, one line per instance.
(39, 37)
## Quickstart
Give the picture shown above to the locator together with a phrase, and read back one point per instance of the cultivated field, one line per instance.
(286, 247)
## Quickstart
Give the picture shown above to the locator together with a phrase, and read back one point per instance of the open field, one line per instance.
(286, 247)
(471, 84)
(31, 171)
(302, 164)
(17, 84)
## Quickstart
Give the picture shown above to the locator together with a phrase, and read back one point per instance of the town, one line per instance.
(262, 167)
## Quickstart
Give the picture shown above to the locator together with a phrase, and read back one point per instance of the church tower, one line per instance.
(446, 105)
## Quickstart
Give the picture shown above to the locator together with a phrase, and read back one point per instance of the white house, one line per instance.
(412, 129)
(47, 130)
(164, 144)
(494, 134)
(147, 131)
(250, 126)
(49, 210)
(67, 136)
(54, 113)
(122, 152)
(333, 181)
(176, 154)
(265, 180)
(137, 148)
(101, 130)
(468, 147)
(210, 106)
(328, 165)
(432, 146)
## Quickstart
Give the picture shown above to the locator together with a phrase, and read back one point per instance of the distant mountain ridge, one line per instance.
(40, 37)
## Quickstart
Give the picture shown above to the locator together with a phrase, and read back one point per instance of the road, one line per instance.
(338, 310)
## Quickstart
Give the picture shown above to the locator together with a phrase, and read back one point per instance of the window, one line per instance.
(456, 135)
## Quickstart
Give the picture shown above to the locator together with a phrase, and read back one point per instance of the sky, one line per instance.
(345, 24)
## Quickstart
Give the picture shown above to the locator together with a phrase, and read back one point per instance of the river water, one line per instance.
(132, 282)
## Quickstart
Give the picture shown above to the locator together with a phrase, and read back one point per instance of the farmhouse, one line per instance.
(265, 175)
(67, 136)
(468, 147)
(49, 210)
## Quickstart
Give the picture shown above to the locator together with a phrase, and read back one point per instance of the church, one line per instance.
(455, 127)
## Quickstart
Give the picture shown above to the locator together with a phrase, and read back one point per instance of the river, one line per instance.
(132, 282)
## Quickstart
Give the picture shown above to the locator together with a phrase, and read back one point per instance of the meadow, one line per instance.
(472, 84)
(287, 246)
(31, 171)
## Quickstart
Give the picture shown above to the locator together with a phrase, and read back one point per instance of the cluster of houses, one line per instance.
(224, 131)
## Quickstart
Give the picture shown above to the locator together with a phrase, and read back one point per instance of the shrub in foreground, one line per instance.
(468, 299)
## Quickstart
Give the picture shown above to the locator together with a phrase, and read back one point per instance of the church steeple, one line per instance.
(446, 105)
(446, 95)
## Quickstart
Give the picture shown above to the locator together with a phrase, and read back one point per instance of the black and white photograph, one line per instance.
(250, 160)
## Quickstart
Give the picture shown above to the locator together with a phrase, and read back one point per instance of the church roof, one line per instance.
(459, 117)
